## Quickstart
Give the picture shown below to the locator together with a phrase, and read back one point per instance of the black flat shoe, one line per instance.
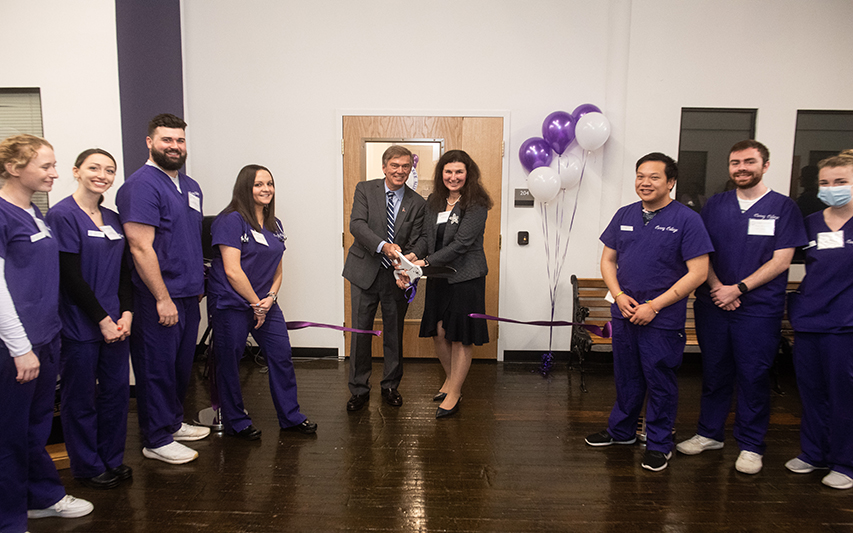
(250, 433)
(357, 401)
(392, 397)
(103, 481)
(306, 428)
(439, 397)
(122, 472)
(442, 413)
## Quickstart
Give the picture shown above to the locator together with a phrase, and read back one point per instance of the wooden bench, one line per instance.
(590, 307)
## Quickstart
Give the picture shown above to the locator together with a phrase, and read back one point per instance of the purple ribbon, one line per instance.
(411, 291)
(300, 325)
(604, 333)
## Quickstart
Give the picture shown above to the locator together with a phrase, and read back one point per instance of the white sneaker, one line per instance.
(798, 466)
(173, 453)
(837, 480)
(749, 462)
(67, 507)
(698, 444)
(190, 433)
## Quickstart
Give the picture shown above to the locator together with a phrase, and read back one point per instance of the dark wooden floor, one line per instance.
(513, 459)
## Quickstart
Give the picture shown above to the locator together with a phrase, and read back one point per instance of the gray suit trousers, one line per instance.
(394, 307)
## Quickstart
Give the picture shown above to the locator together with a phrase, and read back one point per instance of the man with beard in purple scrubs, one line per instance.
(160, 209)
(738, 311)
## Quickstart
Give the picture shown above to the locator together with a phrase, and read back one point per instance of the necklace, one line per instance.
(454, 203)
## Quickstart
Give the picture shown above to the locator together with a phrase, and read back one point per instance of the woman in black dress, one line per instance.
(454, 224)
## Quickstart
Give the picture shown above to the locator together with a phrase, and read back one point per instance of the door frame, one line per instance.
(505, 200)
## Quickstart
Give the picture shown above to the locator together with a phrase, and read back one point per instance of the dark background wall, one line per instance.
(148, 33)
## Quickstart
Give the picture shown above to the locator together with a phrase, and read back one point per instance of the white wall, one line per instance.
(265, 84)
(776, 56)
(68, 49)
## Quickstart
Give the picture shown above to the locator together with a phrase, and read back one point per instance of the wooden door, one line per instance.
(482, 138)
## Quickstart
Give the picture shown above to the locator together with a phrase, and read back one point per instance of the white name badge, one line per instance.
(96, 233)
(830, 239)
(38, 236)
(759, 226)
(259, 238)
(195, 201)
(626, 228)
(111, 233)
(442, 217)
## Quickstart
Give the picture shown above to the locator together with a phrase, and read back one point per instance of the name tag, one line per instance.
(765, 227)
(259, 238)
(442, 217)
(38, 236)
(626, 228)
(195, 201)
(830, 239)
(111, 233)
(95, 233)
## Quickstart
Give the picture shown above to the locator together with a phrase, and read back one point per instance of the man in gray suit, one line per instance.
(387, 217)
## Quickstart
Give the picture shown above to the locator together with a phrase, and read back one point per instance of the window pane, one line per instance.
(707, 134)
(20, 112)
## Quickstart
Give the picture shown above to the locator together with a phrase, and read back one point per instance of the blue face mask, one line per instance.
(835, 196)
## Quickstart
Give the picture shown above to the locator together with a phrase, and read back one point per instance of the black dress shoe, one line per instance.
(250, 433)
(105, 480)
(441, 413)
(357, 401)
(392, 397)
(122, 472)
(439, 397)
(306, 427)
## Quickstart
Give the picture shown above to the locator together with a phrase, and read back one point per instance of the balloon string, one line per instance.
(572, 220)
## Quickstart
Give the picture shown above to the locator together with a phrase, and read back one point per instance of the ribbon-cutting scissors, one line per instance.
(415, 272)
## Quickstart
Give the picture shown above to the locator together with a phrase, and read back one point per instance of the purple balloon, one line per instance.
(535, 152)
(583, 109)
(559, 130)
(415, 160)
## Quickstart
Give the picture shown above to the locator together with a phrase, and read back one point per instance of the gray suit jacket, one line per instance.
(462, 244)
(367, 225)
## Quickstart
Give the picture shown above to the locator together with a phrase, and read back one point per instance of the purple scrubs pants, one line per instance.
(231, 327)
(162, 361)
(28, 478)
(95, 395)
(645, 359)
(824, 365)
(736, 348)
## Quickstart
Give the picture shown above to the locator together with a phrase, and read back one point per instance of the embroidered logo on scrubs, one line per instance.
(280, 235)
(454, 218)
(245, 238)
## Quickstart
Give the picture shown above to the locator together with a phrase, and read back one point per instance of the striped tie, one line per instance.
(389, 232)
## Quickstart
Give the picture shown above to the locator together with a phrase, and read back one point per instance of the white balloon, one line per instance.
(543, 183)
(592, 131)
(570, 173)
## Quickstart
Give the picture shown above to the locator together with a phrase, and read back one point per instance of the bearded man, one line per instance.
(160, 211)
(738, 311)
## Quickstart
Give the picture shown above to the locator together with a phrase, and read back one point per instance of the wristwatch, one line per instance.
(742, 287)
(274, 296)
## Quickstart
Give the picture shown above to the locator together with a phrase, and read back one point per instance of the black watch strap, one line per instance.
(742, 287)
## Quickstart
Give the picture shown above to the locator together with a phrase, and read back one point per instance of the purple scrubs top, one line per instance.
(653, 257)
(745, 241)
(149, 197)
(824, 303)
(101, 253)
(32, 272)
(258, 260)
